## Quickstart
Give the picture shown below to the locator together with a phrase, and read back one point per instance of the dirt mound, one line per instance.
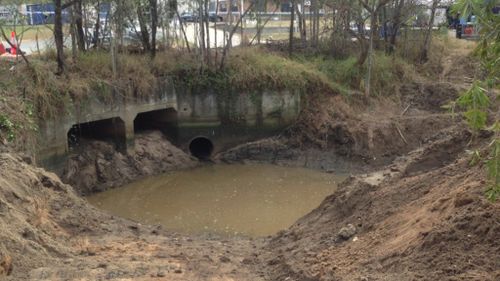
(462, 68)
(38, 214)
(419, 219)
(430, 97)
(374, 133)
(49, 233)
(98, 166)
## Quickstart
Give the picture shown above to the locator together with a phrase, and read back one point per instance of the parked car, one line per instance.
(189, 17)
(215, 18)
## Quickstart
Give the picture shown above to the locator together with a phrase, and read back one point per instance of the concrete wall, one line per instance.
(226, 118)
(229, 119)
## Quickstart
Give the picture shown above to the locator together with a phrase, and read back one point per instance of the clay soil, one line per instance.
(418, 213)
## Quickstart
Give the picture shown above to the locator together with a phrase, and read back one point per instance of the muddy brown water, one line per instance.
(249, 200)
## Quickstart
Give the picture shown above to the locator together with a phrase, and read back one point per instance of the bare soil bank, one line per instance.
(334, 133)
(48, 232)
(98, 166)
(424, 217)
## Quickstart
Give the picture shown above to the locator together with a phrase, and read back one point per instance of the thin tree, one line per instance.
(153, 5)
(58, 33)
(290, 35)
(80, 35)
(424, 55)
(231, 34)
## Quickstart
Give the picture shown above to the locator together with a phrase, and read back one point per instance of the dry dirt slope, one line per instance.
(424, 217)
(47, 232)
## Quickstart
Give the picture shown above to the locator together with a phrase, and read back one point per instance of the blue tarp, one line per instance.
(39, 14)
(43, 14)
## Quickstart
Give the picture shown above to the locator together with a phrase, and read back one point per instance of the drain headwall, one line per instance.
(224, 119)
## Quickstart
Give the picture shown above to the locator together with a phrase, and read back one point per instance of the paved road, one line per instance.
(192, 31)
(30, 46)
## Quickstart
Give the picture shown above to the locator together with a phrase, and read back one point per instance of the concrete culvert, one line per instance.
(201, 148)
(112, 130)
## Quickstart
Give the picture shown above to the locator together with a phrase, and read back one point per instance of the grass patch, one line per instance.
(386, 70)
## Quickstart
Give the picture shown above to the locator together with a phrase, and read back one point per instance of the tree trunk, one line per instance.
(72, 31)
(262, 26)
(303, 33)
(231, 34)
(215, 33)
(315, 18)
(144, 29)
(259, 22)
(154, 25)
(373, 30)
(201, 23)
(207, 26)
(58, 36)
(97, 26)
(396, 23)
(80, 35)
(290, 36)
(428, 36)
(183, 31)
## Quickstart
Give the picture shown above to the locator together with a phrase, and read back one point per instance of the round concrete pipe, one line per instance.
(201, 147)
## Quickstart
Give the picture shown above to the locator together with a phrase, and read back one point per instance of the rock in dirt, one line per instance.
(224, 259)
(347, 232)
(5, 265)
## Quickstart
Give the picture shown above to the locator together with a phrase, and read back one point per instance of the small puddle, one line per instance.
(250, 200)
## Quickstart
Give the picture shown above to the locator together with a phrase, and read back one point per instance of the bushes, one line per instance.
(7, 130)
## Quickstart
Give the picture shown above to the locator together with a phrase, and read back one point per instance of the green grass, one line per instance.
(386, 71)
(29, 32)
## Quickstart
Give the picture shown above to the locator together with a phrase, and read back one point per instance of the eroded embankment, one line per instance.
(97, 165)
(425, 217)
(47, 232)
(334, 133)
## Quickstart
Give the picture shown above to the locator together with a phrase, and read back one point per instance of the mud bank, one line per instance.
(98, 166)
(48, 232)
(334, 135)
(424, 217)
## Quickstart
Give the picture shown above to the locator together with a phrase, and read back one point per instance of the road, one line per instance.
(30, 46)
(192, 32)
